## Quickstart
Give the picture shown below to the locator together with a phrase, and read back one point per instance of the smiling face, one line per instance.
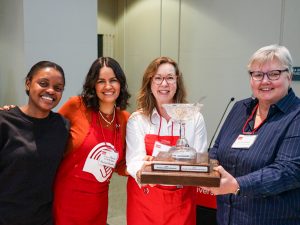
(107, 87)
(267, 91)
(45, 90)
(165, 91)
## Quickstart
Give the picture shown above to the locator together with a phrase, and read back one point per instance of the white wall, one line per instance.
(63, 31)
(106, 16)
(291, 33)
(12, 62)
(215, 49)
(211, 39)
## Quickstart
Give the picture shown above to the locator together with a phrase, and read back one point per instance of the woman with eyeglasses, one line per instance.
(258, 148)
(150, 129)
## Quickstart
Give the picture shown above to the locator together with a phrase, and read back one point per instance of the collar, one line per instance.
(287, 101)
(155, 116)
(282, 105)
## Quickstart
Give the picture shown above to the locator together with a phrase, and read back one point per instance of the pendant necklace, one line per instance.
(108, 122)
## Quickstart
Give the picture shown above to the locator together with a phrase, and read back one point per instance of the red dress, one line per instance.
(81, 187)
(160, 205)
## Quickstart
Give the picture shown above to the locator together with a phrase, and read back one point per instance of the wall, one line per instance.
(106, 16)
(12, 61)
(211, 40)
(63, 31)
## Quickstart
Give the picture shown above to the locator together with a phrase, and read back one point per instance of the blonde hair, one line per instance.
(271, 52)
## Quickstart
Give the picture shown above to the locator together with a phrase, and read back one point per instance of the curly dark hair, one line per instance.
(88, 93)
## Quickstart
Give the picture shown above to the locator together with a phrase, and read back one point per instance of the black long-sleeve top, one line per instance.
(30, 152)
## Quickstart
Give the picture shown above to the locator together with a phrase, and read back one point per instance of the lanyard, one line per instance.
(249, 119)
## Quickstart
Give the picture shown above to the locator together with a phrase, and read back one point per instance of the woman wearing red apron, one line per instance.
(95, 148)
(149, 130)
(206, 207)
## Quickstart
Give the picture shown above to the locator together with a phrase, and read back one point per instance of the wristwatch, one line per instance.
(237, 192)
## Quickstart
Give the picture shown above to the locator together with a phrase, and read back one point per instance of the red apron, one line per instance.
(81, 186)
(160, 205)
(206, 199)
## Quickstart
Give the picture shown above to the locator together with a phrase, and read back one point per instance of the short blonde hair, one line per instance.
(271, 52)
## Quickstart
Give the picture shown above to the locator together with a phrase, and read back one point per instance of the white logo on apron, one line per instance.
(93, 161)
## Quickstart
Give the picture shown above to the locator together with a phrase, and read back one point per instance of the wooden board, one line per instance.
(210, 179)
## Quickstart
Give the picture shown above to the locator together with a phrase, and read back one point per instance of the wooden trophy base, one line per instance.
(166, 170)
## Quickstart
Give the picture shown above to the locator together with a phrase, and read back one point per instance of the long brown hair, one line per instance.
(146, 100)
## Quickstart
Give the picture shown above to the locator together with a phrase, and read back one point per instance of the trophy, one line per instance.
(180, 113)
(181, 165)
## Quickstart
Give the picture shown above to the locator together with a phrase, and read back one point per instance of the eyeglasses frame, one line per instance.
(164, 78)
(267, 74)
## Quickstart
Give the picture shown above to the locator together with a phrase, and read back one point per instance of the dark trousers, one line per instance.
(206, 216)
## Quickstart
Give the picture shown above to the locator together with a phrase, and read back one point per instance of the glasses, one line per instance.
(272, 75)
(170, 79)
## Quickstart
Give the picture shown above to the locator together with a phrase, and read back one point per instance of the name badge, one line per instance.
(108, 158)
(244, 141)
(159, 147)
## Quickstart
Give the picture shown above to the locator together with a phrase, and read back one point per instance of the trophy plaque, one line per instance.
(181, 165)
(188, 178)
(165, 162)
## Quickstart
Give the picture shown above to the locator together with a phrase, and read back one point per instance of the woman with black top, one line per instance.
(32, 142)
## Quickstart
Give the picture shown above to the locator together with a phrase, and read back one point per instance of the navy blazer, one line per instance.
(268, 172)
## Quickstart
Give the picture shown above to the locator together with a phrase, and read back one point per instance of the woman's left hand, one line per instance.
(228, 184)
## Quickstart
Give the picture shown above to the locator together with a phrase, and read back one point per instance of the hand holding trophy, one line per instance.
(181, 165)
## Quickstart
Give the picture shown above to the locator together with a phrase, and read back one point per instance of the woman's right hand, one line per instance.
(7, 107)
(147, 159)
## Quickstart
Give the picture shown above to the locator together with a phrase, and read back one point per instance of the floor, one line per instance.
(117, 201)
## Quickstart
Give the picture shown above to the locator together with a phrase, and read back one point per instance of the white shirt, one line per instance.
(139, 125)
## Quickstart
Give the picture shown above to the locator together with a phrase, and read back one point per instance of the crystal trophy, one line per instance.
(182, 164)
(180, 113)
